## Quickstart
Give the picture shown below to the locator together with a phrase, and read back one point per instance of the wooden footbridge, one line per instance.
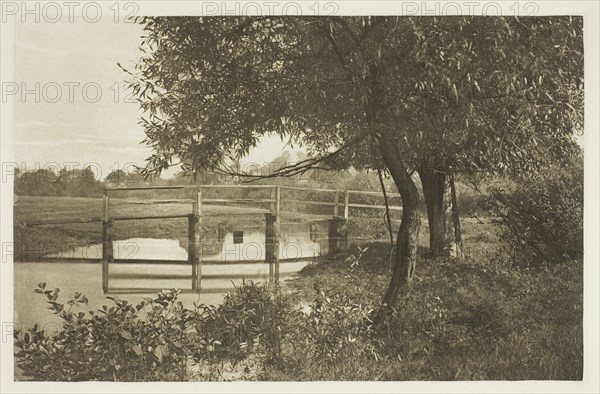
(338, 204)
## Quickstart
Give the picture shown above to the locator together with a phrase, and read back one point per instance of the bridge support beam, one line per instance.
(107, 240)
(194, 239)
(272, 245)
(338, 235)
(107, 251)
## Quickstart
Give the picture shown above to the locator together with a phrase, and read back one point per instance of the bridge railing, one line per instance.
(336, 206)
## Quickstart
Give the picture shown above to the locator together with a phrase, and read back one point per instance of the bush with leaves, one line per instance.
(156, 339)
(543, 216)
(147, 341)
(332, 329)
(248, 321)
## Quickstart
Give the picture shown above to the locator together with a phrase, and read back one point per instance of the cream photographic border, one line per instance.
(590, 11)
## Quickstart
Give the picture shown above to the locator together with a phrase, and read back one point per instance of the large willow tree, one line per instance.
(406, 95)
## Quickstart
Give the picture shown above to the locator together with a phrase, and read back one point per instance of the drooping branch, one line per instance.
(293, 169)
(286, 171)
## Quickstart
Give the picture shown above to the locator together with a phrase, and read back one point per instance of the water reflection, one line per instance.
(297, 241)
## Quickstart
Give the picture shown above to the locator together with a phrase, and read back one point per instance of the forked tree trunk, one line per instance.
(406, 242)
(442, 214)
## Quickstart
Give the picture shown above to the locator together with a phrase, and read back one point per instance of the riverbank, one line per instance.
(458, 320)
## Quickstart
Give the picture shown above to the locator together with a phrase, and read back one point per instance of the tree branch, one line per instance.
(293, 169)
(334, 45)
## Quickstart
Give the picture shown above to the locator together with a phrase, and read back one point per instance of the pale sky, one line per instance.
(82, 113)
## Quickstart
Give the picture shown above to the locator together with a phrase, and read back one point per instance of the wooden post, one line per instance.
(332, 237)
(220, 233)
(108, 252)
(314, 232)
(194, 238)
(199, 243)
(338, 237)
(277, 201)
(107, 244)
(105, 206)
(275, 235)
(346, 205)
(336, 200)
(272, 246)
(268, 244)
(343, 231)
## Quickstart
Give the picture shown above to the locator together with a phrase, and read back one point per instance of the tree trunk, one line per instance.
(406, 241)
(456, 219)
(442, 214)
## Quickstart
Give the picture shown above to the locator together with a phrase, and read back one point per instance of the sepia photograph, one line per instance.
(329, 196)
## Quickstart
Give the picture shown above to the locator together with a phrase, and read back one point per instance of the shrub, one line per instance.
(329, 338)
(543, 217)
(248, 321)
(156, 339)
(337, 327)
(113, 343)
(469, 199)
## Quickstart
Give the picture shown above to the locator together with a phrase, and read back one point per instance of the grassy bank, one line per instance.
(460, 320)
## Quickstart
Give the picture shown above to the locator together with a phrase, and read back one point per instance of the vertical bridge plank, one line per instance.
(272, 246)
(277, 201)
(107, 244)
(194, 238)
(336, 201)
(338, 235)
(272, 235)
(275, 232)
(346, 205)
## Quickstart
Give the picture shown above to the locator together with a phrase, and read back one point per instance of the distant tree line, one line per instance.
(65, 182)
(86, 183)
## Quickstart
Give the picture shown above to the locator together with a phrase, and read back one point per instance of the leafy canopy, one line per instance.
(493, 94)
